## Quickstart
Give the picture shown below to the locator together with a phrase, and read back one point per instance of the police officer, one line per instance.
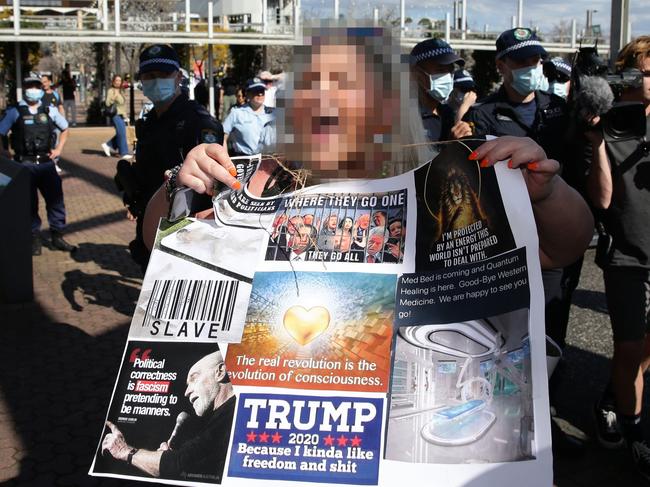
(33, 139)
(521, 108)
(433, 62)
(174, 127)
(249, 129)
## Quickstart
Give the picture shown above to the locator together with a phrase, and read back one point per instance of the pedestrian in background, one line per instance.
(68, 86)
(116, 103)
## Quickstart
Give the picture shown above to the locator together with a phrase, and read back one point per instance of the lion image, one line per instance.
(459, 206)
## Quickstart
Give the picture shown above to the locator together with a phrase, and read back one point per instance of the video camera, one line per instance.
(595, 91)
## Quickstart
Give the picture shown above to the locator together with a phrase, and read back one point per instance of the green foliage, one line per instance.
(29, 55)
(247, 61)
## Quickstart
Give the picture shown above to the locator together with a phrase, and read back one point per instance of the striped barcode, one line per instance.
(196, 300)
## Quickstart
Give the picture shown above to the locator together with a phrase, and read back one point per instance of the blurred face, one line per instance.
(203, 384)
(379, 219)
(46, 83)
(332, 221)
(302, 240)
(375, 243)
(395, 230)
(335, 115)
(364, 221)
(117, 82)
(240, 97)
(308, 219)
(347, 224)
(295, 222)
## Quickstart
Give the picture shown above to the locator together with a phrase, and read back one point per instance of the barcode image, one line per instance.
(195, 300)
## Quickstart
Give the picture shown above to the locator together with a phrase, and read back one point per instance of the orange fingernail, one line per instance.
(484, 163)
(510, 163)
(236, 185)
(473, 156)
(233, 172)
(533, 166)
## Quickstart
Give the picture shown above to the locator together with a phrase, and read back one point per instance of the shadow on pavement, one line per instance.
(56, 381)
(593, 300)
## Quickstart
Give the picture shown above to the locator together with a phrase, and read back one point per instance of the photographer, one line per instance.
(619, 184)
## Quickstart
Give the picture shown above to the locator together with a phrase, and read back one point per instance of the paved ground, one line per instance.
(59, 355)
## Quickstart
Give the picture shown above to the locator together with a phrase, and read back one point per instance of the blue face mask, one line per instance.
(159, 90)
(440, 86)
(558, 89)
(34, 94)
(528, 79)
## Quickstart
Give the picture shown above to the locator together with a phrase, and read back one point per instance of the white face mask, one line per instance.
(440, 86)
(528, 79)
(559, 89)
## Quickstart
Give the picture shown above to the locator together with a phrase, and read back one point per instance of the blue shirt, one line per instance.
(526, 112)
(249, 131)
(12, 114)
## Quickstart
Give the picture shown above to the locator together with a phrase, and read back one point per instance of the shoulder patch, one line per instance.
(209, 136)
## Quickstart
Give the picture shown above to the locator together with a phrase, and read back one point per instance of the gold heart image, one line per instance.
(305, 325)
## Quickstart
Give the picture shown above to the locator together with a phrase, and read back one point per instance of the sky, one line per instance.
(497, 13)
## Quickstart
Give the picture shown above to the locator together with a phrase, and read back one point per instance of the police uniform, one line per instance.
(163, 141)
(545, 120)
(496, 115)
(249, 131)
(438, 125)
(33, 136)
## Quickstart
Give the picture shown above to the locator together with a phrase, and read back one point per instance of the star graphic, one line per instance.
(250, 437)
(341, 441)
(356, 441)
(276, 437)
(264, 437)
(328, 440)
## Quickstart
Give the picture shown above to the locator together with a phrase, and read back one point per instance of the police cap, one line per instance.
(519, 43)
(437, 50)
(159, 57)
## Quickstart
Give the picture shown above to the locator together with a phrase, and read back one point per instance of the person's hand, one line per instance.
(203, 165)
(164, 446)
(594, 134)
(525, 154)
(394, 249)
(469, 99)
(54, 153)
(130, 216)
(115, 444)
(461, 129)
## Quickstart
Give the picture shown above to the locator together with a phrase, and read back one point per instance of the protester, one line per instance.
(348, 145)
(33, 139)
(618, 183)
(249, 129)
(115, 98)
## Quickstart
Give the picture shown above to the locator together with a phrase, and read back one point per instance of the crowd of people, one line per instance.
(347, 113)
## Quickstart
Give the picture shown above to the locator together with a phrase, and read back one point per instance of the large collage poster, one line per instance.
(363, 332)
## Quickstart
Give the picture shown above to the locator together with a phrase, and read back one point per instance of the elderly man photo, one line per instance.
(211, 395)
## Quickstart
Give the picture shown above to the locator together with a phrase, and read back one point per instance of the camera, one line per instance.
(597, 91)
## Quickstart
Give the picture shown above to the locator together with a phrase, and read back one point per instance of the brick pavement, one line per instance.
(59, 355)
